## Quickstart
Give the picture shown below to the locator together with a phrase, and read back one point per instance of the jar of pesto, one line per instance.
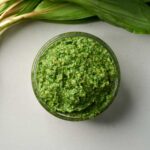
(75, 76)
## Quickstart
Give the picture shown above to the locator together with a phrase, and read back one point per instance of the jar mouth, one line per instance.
(70, 116)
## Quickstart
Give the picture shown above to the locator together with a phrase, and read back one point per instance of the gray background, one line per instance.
(25, 125)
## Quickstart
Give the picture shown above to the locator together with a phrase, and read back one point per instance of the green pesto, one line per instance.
(76, 78)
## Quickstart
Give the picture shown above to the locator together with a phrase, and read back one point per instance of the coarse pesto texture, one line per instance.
(76, 77)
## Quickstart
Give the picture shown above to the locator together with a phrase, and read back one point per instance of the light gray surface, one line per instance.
(25, 125)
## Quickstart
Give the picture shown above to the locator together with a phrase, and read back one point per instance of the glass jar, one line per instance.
(94, 108)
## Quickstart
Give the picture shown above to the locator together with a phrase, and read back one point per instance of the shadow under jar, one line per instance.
(75, 76)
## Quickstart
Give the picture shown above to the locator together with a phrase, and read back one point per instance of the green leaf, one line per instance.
(27, 6)
(146, 1)
(133, 15)
(19, 7)
(60, 11)
(46, 10)
(4, 4)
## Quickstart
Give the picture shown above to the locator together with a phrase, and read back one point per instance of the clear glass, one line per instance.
(46, 46)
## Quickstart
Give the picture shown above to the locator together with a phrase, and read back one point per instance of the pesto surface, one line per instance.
(76, 77)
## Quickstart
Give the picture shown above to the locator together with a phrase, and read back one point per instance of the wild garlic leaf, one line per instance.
(133, 15)
(48, 10)
(28, 6)
(4, 4)
(146, 1)
(45, 10)
(19, 7)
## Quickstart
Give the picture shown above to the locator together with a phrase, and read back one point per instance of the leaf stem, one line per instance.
(3, 2)
(9, 9)
(6, 23)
